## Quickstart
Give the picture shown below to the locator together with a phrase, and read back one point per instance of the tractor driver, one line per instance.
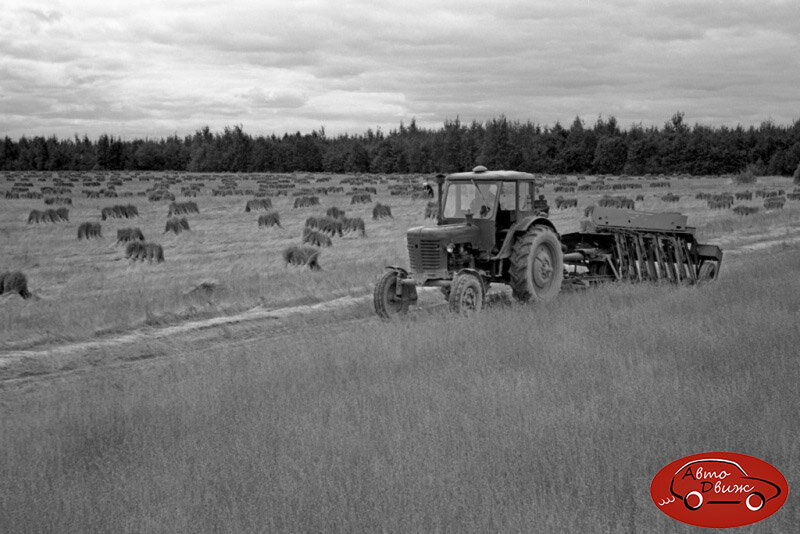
(481, 206)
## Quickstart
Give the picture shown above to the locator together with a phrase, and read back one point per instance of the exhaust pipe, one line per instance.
(439, 182)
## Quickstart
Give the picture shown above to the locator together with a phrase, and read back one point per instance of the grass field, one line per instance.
(524, 418)
(87, 288)
(552, 418)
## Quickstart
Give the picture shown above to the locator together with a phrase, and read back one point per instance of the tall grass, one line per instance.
(532, 419)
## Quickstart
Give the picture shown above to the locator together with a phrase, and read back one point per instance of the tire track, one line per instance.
(157, 345)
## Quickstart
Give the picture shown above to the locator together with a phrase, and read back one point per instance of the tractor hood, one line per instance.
(445, 234)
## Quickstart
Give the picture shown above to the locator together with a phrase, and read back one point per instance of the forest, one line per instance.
(602, 148)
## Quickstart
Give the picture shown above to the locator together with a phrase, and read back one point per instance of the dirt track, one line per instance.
(157, 345)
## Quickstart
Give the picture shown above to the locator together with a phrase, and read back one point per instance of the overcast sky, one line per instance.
(149, 68)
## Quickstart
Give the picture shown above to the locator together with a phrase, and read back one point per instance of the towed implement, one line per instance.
(492, 227)
(629, 245)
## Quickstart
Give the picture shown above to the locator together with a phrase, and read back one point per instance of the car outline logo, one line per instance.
(754, 501)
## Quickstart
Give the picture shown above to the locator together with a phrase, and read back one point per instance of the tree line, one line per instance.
(602, 148)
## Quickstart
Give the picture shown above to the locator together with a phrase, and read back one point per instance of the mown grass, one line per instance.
(87, 288)
(526, 419)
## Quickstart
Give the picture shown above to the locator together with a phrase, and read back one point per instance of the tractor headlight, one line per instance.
(450, 248)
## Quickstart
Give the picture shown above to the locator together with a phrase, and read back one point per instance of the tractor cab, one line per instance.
(492, 201)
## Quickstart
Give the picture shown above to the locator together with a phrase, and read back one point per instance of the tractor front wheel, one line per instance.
(467, 294)
(387, 303)
(537, 265)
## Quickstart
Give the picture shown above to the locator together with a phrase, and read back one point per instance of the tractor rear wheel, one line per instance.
(387, 303)
(537, 265)
(467, 294)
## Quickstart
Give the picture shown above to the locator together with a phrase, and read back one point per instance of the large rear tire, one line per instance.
(537, 265)
(387, 303)
(467, 294)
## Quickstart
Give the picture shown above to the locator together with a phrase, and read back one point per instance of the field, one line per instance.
(319, 417)
(88, 288)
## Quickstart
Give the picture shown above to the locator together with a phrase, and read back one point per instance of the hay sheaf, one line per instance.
(89, 230)
(306, 201)
(58, 201)
(141, 250)
(258, 204)
(335, 213)
(48, 216)
(368, 189)
(270, 219)
(316, 238)
(361, 198)
(719, 202)
(160, 194)
(381, 211)
(14, 282)
(181, 208)
(176, 225)
(354, 224)
(297, 255)
(772, 203)
(129, 234)
(564, 203)
(617, 202)
(326, 225)
(126, 211)
(745, 210)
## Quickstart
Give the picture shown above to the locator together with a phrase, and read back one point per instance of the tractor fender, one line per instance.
(520, 227)
(398, 270)
(468, 270)
(474, 272)
(406, 286)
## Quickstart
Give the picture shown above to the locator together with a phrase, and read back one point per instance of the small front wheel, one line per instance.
(387, 303)
(467, 294)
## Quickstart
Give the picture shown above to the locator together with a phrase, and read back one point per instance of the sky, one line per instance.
(157, 68)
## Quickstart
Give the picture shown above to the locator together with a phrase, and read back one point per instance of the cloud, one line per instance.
(280, 99)
(154, 68)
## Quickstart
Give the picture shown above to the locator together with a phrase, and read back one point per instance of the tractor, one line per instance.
(491, 227)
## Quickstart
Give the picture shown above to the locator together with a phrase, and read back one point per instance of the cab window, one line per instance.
(508, 197)
(477, 198)
(527, 194)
